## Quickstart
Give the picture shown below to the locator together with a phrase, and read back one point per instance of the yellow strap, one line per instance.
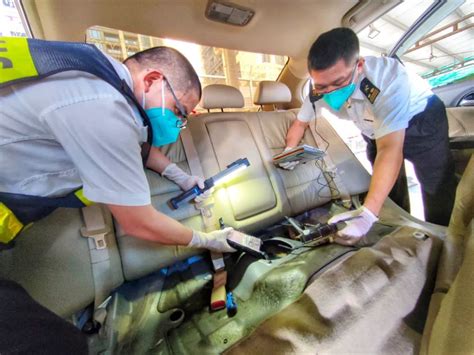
(15, 59)
(80, 195)
(10, 226)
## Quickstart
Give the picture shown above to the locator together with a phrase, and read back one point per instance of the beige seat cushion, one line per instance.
(51, 261)
(450, 323)
(141, 257)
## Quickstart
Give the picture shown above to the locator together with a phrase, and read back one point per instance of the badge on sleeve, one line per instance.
(369, 90)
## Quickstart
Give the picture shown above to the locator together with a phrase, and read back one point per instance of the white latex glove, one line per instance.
(289, 165)
(185, 181)
(214, 241)
(356, 228)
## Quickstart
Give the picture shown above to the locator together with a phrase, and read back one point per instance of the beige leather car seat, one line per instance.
(450, 322)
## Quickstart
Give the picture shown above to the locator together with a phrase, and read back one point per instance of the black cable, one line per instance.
(328, 175)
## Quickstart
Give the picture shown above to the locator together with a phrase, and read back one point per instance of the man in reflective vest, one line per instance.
(75, 118)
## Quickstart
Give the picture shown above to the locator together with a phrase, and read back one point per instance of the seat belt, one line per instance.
(205, 207)
(219, 279)
(95, 230)
(336, 186)
(191, 152)
(218, 294)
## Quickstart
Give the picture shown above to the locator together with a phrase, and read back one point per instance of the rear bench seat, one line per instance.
(262, 194)
(51, 259)
(305, 187)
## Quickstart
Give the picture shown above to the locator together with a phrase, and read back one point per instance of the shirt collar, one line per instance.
(358, 95)
(121, 70)
(124, 74)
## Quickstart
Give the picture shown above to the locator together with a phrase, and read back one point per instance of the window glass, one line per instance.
(444, 55)
(10, 20)
(242, 70)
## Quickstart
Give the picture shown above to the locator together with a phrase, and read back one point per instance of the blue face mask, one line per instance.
(335, 99)
(165, 124)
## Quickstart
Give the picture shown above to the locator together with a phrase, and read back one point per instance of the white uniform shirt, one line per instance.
(403, 94)
(69, 130)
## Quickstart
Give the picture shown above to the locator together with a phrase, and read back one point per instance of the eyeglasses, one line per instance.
(344, 82)
(182, 111)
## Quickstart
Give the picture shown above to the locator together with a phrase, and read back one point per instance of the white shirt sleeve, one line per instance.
(306, 112)
(392, 106)
(102, 139)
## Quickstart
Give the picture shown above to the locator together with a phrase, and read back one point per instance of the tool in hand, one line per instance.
(317, 234)
(209, 183)
(244, 242)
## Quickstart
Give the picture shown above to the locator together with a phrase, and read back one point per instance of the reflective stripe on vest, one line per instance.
(16, 60)
(80, 195)
(10, 226)
(18, 211)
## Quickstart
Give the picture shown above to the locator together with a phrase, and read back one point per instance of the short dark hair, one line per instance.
(331, 46)
(177, 69)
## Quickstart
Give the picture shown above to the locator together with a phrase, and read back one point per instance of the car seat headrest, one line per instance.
(272, 92)
(221, 96)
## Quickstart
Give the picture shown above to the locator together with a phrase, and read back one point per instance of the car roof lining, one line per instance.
(278, 27)
(281, 28)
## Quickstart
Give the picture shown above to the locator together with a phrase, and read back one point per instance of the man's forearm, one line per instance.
(145, 222)
(387, 165)
(295, 133)
(386, 169)
(157, 161)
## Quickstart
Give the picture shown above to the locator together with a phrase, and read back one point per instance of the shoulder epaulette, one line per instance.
(313, 96)
(369, 90)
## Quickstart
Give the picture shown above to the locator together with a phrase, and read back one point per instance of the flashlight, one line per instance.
(219, 178)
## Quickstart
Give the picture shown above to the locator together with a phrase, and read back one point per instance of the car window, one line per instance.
(446, 53)
(443, 55)
(242, 70)
(11, 24)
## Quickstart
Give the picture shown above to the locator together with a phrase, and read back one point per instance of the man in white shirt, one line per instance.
(72, 130)
(398, 116)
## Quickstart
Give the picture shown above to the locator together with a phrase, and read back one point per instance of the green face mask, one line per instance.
(335, 99)
(164, 122)
(165, 125)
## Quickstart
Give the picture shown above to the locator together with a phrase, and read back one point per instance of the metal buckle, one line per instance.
(97, 235)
